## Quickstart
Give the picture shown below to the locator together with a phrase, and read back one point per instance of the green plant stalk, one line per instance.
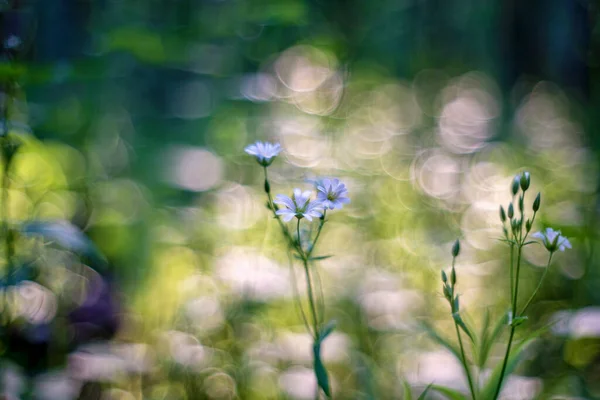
(512, 328)
(309, 287)
(460, 343)
(512, 271)
(284, 230)
(464, 362)
(538, 286)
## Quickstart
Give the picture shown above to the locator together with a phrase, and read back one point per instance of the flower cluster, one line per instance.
(331, 192)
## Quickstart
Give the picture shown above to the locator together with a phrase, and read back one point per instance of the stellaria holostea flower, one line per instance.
(553, 240)
(299, 206)
(332, 193)
(264, 152)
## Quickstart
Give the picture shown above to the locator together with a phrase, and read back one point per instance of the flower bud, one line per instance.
(453, 277)
(456, 305)
(502, 214)
(447, 293)
(528, 225)
(521, 203)
(525, 181)
(515, 185)
(444, 277)
(456, 248)
(511, 211)
(536, 202)
(267, 186)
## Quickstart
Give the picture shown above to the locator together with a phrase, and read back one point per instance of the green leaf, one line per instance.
(452, 394)
(318, 258)
(463, 326)
(488, 339)
(407, 391)
(320, 371)
(518, 321)
(440, 340)
(422, 396)
(327, 329)
(67, 236)
(515, 356)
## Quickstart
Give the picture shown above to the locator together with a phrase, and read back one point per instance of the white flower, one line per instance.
(299, 206)
(264, 152)
(553, 240)
(332, 193)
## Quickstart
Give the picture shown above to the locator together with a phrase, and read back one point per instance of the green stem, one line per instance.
(512, 272)
(311, 299)
(464, 362)
(505, 362)
(314, 243)
(538, 286)
(284, 229)
(512, 328)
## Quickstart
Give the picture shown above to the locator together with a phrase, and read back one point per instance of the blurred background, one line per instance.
(134, 114)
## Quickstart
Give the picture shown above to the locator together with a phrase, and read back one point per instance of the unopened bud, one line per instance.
(453, 277)
(515, 185)
(267, 186)
(456, 305)
(511, 211)
(525, 181)
(444, 277)
(447, 293)
(521, 203)
(456, 248)
(528, 225)
(536, 202)
(502, 214)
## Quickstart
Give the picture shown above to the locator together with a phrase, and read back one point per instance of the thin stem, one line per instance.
(314, 243)
(512, 328)
(297, 292)
(505, 362)
(299, 241)
(512, 272)
(462, 350)
(514, 305)
(284, 229)
(311, 299)
(464, 361)
(538, 286)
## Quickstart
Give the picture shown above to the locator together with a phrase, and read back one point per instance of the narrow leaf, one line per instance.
(489, 339)
(320, 371)
(451, 394)
(440, 340)
(327, 329)
(422, 396)
(459, 321)
(407, 391)
(318, 258)
(515, 356)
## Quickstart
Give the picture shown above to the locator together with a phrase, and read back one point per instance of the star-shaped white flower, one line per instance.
(264, 152)
(553, 240)
(299, 206)
(332, 193)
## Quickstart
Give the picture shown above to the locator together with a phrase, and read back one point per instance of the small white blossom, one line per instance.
(332, 193)
(264, 152)
(299, 206)
(553, 240)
